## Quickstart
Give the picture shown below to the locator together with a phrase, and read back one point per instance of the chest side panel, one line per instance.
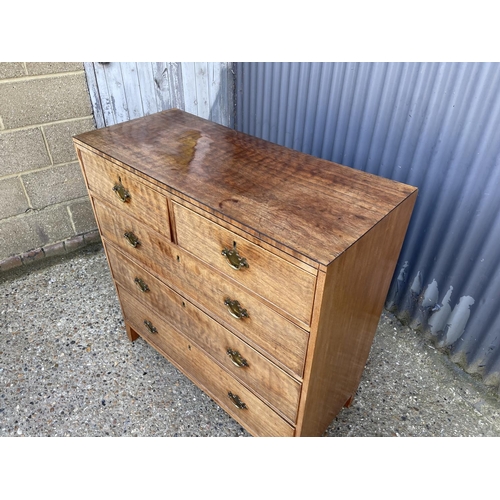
(348, 308)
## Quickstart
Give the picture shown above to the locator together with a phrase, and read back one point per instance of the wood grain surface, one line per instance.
(262, 377)
(282, 283)
(311, 207)
(258, 418)
(145, 204)
(348, 308)
(321, 242)
(265, 329)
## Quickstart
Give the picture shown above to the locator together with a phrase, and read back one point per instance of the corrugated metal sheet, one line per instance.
(433, 125)
(122, 91)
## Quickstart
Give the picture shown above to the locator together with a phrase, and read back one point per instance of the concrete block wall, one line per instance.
(44, 206)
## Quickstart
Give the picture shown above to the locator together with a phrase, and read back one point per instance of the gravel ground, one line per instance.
(67, 368)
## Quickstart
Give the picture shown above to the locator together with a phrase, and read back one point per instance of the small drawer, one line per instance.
(241, 360)
(244, 406)
(287, 286)
(125, 192)
(264, 328)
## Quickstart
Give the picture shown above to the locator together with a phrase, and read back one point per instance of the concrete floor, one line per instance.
(67, 368)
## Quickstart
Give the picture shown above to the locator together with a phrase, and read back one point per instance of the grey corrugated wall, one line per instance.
(433, 125)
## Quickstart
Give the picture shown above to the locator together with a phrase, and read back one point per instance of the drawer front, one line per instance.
(285, 285)
(241, 360)
(113, 184)
(258, 418)
(264, 328)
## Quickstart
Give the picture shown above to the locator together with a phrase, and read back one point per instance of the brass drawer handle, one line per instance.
(150, 326)
(142, 286)
(234, 260)
(235, 310)
(237, 358)
(237, 401)
(132, 239)
(121, 192)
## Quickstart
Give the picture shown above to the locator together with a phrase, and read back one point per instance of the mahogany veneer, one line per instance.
(260, 272)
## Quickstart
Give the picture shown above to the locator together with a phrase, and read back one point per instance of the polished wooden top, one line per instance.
(302, 204)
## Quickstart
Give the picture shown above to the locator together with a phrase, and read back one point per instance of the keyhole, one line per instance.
(178, 259)
(189, 347)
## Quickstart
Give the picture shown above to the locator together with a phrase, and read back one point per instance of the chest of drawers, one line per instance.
(258, 271)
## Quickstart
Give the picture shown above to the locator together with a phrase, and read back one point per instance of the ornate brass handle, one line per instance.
(142, 286)
(132, 238)
(235, 310)
(234, 260)
(237, 401)
(121, 192)
(150, 326)
(237, 358)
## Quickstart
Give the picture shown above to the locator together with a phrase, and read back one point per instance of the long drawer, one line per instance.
(263, 328)
(279, 281)
(126, 192)
(237, 357)
(257, 417)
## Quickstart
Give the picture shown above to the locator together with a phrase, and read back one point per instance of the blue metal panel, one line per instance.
(433, 125)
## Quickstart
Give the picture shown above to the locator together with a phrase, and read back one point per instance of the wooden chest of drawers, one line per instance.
(258, 271)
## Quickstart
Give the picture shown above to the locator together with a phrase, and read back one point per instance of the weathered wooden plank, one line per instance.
(161, 84)
(104, 94)
(94, 94)
(132, 90)
(202, 90)
(114, 81)
(149, 99)
(214, 71)
(128, 90)
(226, 101)
(175, 79)
(189, 88)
